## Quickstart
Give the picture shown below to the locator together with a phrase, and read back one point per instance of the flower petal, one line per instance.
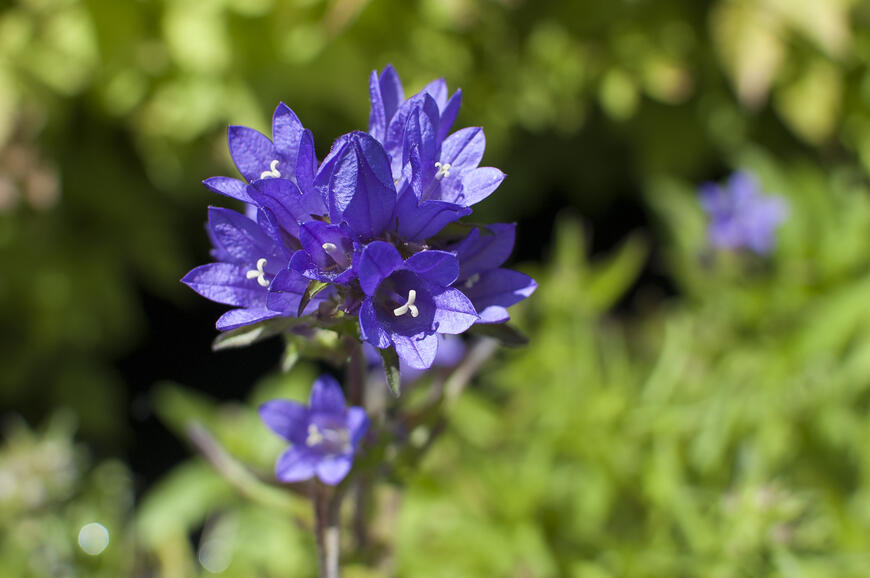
(454, 312)
(370, 328)
(240, 237)
(226, 283)
(376, 262)
(236, 318)
(286, 291)
(282, 198)
(485, 248)
(417, 221)
(357, 424)
(232, 188)
(287, 132)
(421, 105)
(464, 148)
(494, 314)
(420, 133)
(326, 396)
(448, 115)
(288, 419)
(361, 190)
(377, 120)
(437, 89)
(315, 234)
(252, 151)
(332, 469)
(437, 267)
(499, 287)
(296, 465)
(417, 351)
(479, 183)
(306, 169)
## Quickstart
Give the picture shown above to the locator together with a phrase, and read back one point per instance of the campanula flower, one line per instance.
(290, 155)
(448, 165)
(357, 183)
(408, 302)
(250, 273)
(491, 288)
(388, 98)
(325, 435)
(740, 216)
(248, 260)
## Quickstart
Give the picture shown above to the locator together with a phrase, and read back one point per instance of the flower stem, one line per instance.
(356, 374)
(327, 507)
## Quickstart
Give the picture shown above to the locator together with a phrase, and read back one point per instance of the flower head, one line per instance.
(324, 436)
(740, 216)
(361, 235)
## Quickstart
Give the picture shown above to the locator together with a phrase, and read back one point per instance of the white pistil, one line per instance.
(314, 436)
(409, 306)
(272, 173)
(337, 255)
(258, 273)
(443, 170)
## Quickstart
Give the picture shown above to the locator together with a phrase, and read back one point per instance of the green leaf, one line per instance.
(313, 289)
(507, 335)
(290, 356)
(391, 368)
(610, 280)
(244, 336)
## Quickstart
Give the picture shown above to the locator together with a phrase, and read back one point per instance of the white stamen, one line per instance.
(314, 436)
(471, 281)
(329, 247)
(258, 273)
(409, 306)
(273, 173)
(443, 170)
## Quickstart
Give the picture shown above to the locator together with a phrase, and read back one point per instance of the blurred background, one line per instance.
(679, 411)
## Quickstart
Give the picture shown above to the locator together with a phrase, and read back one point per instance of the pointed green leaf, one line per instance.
(391, 368)
(244, 336)
(290, 356)
(611, 279)
(313, 289)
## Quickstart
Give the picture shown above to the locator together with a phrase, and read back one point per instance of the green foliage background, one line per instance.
(720, 431)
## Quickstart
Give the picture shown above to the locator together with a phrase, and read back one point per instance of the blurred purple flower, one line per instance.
(740, 216)
(324, 436)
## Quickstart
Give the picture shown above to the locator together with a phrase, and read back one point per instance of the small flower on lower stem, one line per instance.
(324, 436)
(740, 216)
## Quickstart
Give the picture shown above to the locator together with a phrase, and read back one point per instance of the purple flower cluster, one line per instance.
(366, 226)
(740, 216)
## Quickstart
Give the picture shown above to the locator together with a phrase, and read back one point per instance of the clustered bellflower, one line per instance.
(324, 436)
(740, 216)
(366, 226)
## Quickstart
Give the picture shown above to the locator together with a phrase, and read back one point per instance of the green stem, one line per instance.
(327, 507)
